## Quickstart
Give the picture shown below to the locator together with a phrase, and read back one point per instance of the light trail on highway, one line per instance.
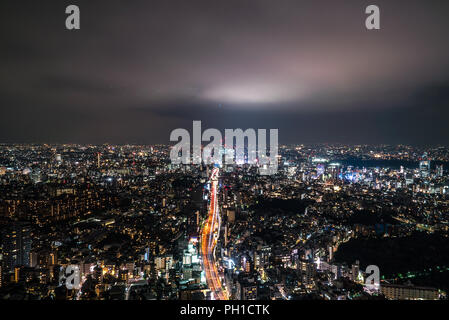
(209, 236)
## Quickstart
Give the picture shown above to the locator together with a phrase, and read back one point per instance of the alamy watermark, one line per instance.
(373, 280)
(70, 277)
(233, 150)
(372, 21)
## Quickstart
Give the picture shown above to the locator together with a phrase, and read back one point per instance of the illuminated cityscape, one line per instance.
(140, 228)
(206, 154)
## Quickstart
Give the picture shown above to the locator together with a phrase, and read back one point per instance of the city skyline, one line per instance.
(251, 151)
(135, 226)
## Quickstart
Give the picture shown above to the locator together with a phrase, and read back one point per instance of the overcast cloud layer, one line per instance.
(138, 69)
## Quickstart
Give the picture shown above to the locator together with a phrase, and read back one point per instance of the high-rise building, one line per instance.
(355, 271)
(424, 166)
(265, 255)
(306, 271)
(256, 260)
(17, 245)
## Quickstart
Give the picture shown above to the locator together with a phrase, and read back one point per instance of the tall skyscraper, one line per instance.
(424, 168)
(17, 245)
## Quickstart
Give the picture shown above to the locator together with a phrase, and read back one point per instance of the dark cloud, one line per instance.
(67, 84)
(137, 70)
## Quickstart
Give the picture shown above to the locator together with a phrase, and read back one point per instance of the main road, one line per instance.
(209, 236)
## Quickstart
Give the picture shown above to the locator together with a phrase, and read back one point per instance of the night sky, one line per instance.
(139, 69)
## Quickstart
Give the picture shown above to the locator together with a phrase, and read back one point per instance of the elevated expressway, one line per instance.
(209, 235)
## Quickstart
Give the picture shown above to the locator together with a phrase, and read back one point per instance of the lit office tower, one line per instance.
(424, 168)
(17, 245)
